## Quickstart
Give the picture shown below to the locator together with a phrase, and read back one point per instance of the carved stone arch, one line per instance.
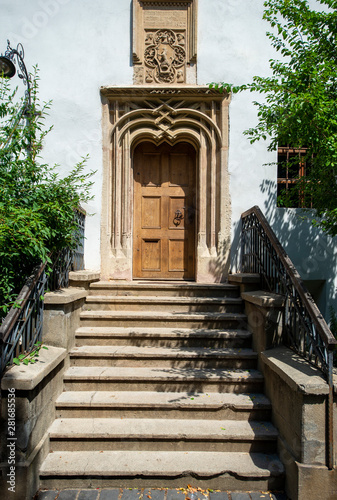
(193, 114)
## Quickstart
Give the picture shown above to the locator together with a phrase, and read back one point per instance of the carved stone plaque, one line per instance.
(164, 41)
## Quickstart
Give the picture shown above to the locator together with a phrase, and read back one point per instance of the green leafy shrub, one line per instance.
(299, 104)
(30, 357)
(36, 205)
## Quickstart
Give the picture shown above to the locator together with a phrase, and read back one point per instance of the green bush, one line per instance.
(36, 205)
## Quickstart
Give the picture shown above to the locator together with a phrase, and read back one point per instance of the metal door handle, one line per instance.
(178, 217)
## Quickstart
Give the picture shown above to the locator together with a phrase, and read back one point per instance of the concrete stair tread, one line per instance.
(161, 315)
(161, 352)
(162, 400)
(164, 429)
(151, 299)
(153, 285)
(160, 464)
(156, 373)
(161, 332)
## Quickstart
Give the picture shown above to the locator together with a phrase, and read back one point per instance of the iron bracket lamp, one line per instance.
(8, 69)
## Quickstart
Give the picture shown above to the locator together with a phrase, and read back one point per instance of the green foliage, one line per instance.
(300, 98)
(36, 205)
(31, 357)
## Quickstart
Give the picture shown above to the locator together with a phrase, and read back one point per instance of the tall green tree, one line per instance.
(36, 205)
(299, 104)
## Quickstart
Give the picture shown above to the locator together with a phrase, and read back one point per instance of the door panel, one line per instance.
(177, 255)
(151, 212)
(164, 199)
(151, 255)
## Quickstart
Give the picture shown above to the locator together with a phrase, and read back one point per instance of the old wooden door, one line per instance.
(164, 211)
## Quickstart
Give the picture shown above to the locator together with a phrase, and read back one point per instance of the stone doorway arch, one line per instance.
(184, 114)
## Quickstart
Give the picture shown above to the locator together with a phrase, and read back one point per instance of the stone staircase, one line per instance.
(163, 391)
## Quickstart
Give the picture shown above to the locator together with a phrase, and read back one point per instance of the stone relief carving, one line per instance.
(165, 55)
(138, 75)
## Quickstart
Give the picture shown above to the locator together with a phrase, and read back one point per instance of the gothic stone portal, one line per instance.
(192, 242)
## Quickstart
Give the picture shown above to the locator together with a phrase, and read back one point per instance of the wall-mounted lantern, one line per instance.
(8, 69)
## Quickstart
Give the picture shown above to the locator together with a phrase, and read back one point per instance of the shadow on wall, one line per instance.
(219, 267)
(313, 253)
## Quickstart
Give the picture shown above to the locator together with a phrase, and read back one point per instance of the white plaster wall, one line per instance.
(233, 48)
(80, 45)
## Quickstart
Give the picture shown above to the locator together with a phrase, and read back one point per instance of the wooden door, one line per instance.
(164, 211)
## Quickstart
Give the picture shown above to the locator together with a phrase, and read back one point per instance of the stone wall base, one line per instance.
(25, 443)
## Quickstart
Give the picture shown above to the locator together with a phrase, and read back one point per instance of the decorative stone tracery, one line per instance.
(165, 114)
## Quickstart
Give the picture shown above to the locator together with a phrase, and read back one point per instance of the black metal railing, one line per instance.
(22, 327)
(304, 328)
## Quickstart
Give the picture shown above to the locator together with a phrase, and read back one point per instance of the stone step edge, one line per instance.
(162, 315)
(162, 400)
(145, 429)
(133, 352)
(161, 332)
(160, 464)
(162, 285)
(135, 374)
(160, 299)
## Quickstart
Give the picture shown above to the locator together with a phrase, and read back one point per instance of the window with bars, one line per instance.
(292, 166)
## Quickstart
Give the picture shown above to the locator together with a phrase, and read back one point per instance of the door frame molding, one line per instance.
(192, 114)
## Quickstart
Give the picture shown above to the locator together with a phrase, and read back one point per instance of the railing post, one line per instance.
(243, 246)
(330, 457)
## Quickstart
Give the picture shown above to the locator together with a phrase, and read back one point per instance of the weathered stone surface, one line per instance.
(65, 296)
(62, 317)
(112, 494)
(88, 495)
(27, 377)
(298, 374)
(161, 464)
(84, 275)
(263, 299)
(316, 482)
(68, 495)
(36, 388)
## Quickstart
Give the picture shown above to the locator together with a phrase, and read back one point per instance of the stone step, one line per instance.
(161, 304)
(198, 357)
(161, 379)
(163, 434)
(217, 470)
(163, 319)
(171, 337)
(181, 405)
(181, 289)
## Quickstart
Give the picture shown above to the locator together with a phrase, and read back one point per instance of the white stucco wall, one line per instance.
(80, 45)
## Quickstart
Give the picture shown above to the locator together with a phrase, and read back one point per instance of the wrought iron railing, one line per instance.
(304, 328)
(22, 327)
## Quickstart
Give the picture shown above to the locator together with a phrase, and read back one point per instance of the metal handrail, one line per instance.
(304, 328)
(22, 327)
